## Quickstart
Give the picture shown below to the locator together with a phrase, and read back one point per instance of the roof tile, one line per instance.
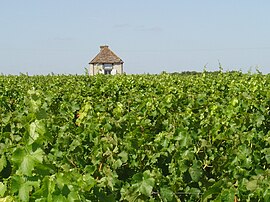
(106, 56)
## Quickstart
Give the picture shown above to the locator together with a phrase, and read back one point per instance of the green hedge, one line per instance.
(201, 137)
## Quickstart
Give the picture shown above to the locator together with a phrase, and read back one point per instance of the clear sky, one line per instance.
(151, 36)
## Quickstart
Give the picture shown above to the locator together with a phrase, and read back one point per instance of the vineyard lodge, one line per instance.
(106, 62)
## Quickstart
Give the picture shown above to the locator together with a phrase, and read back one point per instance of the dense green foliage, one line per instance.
(202, 137)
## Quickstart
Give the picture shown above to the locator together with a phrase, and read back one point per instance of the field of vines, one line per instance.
(167, 137)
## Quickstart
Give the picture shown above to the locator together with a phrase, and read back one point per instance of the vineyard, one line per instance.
(167, 137)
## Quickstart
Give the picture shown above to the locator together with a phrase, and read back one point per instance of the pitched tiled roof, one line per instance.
(106, 56)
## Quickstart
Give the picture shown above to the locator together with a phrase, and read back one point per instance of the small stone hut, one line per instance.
(106, 62)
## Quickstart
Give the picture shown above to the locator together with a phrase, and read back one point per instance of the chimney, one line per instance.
(102, 47)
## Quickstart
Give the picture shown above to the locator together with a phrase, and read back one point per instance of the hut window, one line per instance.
(107, 71)
(108, 68)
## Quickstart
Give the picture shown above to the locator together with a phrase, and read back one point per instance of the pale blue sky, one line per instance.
(151, 36)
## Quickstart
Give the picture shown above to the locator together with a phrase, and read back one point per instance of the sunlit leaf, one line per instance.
(3, 189)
